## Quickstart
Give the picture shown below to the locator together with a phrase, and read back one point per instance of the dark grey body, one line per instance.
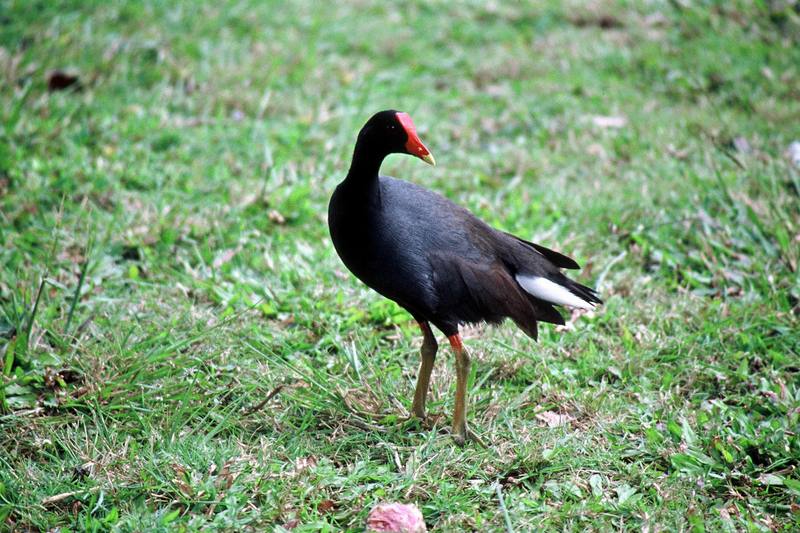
(438, 260)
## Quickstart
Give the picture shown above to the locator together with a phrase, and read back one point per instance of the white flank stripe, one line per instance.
(546, 290)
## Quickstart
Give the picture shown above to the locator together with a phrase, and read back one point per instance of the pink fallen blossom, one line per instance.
(395, 518)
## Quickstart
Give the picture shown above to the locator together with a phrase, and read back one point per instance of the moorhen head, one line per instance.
(391, 132)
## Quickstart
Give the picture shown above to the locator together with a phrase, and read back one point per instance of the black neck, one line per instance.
(366, 162)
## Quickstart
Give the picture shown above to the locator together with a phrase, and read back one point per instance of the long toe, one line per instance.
(472, 436)
(460, 434)
(464, 434)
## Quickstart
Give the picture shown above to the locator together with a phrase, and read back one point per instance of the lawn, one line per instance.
(181, 348)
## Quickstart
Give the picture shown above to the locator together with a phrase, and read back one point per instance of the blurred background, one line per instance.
(181, 344)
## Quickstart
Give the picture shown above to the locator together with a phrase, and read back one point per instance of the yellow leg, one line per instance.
(462, 374)
(428, 356)
(461, 432)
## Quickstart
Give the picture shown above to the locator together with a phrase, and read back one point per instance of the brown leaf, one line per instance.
(225, 476)
(183, 487)
(326, 506)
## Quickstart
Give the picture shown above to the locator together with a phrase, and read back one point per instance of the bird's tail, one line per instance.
(558, 289)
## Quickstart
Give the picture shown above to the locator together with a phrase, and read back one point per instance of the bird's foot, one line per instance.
(463, 434)
(413, 421)
(417, 412)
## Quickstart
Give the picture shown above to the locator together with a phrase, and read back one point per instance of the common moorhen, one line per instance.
(439, 261)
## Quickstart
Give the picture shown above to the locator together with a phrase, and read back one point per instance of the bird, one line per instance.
(438, 261)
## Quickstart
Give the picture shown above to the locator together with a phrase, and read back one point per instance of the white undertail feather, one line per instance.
(546, 290)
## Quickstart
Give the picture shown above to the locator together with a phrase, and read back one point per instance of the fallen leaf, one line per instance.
(59, 497)
(225, 476)
(301, 464)
(179, 470)
(326, 506)
(224, 257)
(553, 419)
(276, 217)
(677, 153)
(183, 487)
(609, 121)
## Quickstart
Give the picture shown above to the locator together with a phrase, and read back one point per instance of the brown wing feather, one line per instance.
(558, 259)
(494, 291)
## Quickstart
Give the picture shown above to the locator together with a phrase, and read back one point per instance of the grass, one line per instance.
(182, 349)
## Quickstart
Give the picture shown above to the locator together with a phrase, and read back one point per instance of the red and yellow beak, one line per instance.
(414, 146)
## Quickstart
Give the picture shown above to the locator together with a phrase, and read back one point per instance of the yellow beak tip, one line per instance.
(429, 159)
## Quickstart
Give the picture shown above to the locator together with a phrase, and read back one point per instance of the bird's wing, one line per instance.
(558, 259)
